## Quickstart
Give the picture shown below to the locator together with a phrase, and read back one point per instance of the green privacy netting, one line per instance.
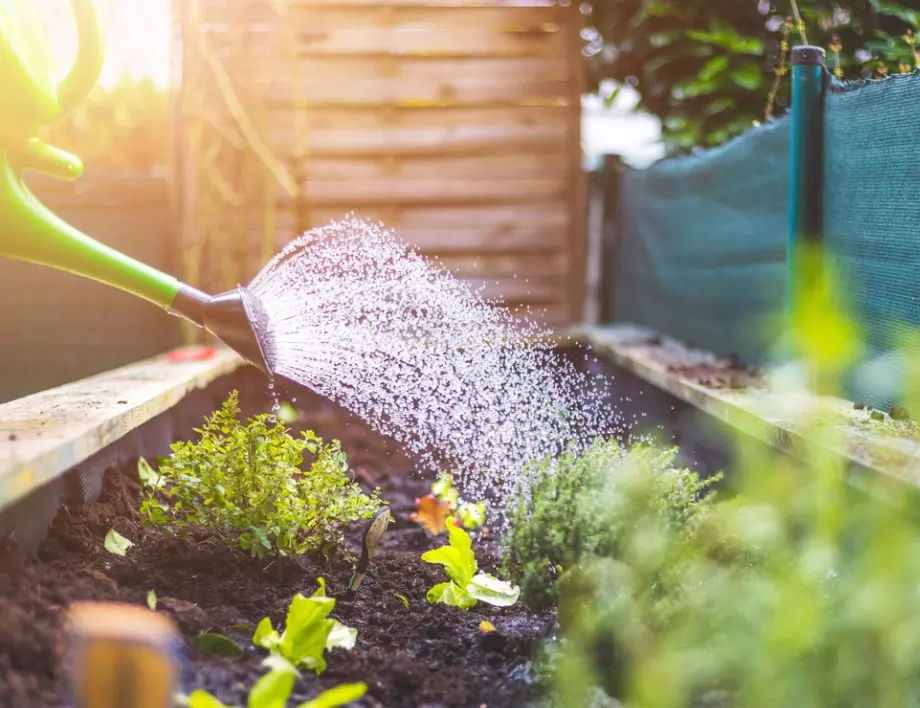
(872, 219)
(701, 244)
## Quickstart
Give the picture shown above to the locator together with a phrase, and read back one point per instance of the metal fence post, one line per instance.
(805, 169)
(610, 252)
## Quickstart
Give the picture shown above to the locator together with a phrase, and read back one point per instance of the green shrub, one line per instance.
(815, 604)
(580, 506)
(246, 483)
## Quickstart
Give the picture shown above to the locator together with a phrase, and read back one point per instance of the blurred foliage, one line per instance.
(800, 589)
(710, 69)
(573, 507)
(122, 128)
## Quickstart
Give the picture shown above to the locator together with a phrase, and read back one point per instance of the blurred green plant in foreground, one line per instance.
(799, 589)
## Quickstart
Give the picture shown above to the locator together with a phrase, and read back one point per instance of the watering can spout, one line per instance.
(236, 317)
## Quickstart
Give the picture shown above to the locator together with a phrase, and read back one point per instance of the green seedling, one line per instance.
(250, 485)
(152, 600)
(466, 585)
(274, 689)
(308, 632)
(402, 598)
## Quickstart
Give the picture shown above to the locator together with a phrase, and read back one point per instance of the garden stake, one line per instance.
(123, 656)
(29, 231)
(372, 538)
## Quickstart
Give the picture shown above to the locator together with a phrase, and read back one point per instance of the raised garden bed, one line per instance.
(417, 656)
(423, 655)
(420, 655)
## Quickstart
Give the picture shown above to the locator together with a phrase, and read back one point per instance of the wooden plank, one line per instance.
(319, 119)
(232, 6)
(543, 290)
(48, 433)
(400, 140)
(261, 20)
(342, 38)
(396, 191)
(522, 265)
(519, 166)
(363, 81)
(482, 229)
(789, 418)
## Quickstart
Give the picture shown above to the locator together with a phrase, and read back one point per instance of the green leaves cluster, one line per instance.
(467, 585)
(308, 632)
(274, 689)
(579, 506)
(708, 67)
(250, 484)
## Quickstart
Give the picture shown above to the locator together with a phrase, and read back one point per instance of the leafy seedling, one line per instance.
(432, 514)
(372, 537)
(443, 506)
(152, 599)
(217, 644)
(308, 632)
(403, 599)
(466, 585)
(274, 689)
(117, 544)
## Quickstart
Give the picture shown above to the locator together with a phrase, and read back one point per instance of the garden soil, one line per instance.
(421, 656)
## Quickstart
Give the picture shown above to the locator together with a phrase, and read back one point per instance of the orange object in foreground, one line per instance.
(122, 656)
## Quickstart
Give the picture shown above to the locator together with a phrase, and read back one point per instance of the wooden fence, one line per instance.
(457, 124)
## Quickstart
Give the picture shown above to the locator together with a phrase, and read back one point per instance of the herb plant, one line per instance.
(308, 632)
(249, 484)
(577, 506)
(274, 689)
(466, 585)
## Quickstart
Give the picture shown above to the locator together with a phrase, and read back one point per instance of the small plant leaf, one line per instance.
(218, 644)
(272, 690)
(486, 627)
(488, 588)
(265, 635)
(434, 515)
(117, 544)
(458, 558)
(341, 637)
(403, 599)
(339, 696)
(203, 699)
(450, 593)
(152, 599)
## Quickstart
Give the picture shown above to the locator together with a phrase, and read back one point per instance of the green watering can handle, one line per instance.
(30, 99)
(90, 55)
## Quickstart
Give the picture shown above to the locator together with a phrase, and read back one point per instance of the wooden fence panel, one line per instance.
(456, 123)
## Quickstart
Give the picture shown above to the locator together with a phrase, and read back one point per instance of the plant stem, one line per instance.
(800, 25)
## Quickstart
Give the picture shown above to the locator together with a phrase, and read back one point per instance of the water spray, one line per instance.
(29, 231)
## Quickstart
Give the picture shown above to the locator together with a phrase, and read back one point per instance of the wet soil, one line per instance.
(421, 656)
(722, 373)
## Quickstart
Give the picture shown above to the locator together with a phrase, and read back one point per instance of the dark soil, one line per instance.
(426, 655)
(724, 373)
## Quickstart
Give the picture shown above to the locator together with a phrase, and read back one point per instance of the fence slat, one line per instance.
(518, 166)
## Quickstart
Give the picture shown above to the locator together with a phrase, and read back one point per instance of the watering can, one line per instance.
(31, 99)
